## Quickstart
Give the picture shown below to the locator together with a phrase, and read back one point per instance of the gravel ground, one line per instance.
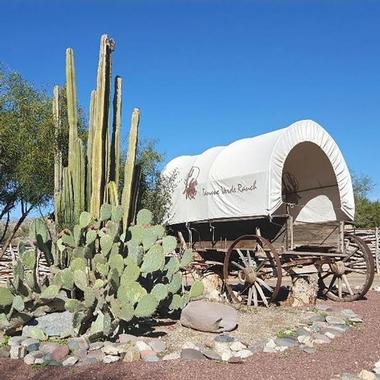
(357, 349)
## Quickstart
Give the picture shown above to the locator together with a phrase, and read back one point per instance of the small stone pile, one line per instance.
(43, 345)
(79, 351)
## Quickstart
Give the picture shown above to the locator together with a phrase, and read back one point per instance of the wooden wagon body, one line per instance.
(264, 206)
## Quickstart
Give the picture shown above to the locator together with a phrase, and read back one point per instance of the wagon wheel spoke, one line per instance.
(261, 293)
(348, 286)
(242, 257)
(237, 265)
(250, 292)
(254, 292)
(264, 284)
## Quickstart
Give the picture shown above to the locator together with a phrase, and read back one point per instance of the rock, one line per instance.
(29, 359)
(34, 332)
(286, 342)
(127, 338)
(212, 285)
(332, 320)
(132, 355)
(308, 349)
(305, 340)
(348, 313)
(303, 331)
(339, 328)
(39, 361)
(48, 347)
(224, 339)
(212, 355)
(95, 355)
(324, 308)
(50, 362)
(151, 358)
(377, 370)
(16, 340)
(367, 375)
(304, 289)
(190, 354)
(377, 364)
(172, 356)
(237, 346)
(320, 339)
(53, 324)
(59, 353)
(96, 346)
(157, 345)
(142, 346)
(244, 354)
(17, 352)
(270, 346)
(221, 347)
(226, 356)
(110, 348)
(77, 343)
(329, 335)
(318, 318)
(31, 344)
(144, 354)
(111, 359)
(257, 347)
(69, 361)
(209, 317)
(333, 330)
(81, 354)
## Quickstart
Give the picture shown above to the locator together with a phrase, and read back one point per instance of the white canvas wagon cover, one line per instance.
(253, 177)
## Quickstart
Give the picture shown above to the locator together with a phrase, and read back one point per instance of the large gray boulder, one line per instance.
(54, 324)
(209, 317)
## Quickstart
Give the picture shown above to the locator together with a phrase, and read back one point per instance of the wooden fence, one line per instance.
(372, 237)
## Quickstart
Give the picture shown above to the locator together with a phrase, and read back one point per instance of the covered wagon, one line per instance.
(267, 205)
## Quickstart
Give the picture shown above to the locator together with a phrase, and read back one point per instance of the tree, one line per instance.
(154, 190)
(367, 211)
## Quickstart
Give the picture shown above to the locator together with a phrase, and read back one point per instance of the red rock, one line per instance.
(60, 353)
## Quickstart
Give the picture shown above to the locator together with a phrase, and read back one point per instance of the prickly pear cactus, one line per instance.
(107, 277)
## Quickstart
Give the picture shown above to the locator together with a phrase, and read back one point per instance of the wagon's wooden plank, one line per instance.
(314, 254)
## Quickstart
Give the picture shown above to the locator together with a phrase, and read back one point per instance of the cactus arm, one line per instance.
(72, 109)
(58, 156)
(89, 148)
(115, 140)
(99, 150)
(130, 165)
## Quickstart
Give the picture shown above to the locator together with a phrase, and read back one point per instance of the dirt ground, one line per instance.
(357, 349)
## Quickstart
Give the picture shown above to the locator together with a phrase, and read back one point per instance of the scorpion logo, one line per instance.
(191, 183)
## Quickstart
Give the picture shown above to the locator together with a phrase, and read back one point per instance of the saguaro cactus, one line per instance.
(92, 177)
(130, 165)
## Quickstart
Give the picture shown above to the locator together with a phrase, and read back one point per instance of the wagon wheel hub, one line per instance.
(248, 275)
(338, 268)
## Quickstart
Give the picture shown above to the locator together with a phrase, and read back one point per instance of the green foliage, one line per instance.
(367, 211)
(6, 297)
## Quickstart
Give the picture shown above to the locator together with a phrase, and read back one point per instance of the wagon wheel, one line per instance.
(350, 278)
(252, 272)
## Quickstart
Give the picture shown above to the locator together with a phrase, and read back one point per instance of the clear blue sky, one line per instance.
(209, 72)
